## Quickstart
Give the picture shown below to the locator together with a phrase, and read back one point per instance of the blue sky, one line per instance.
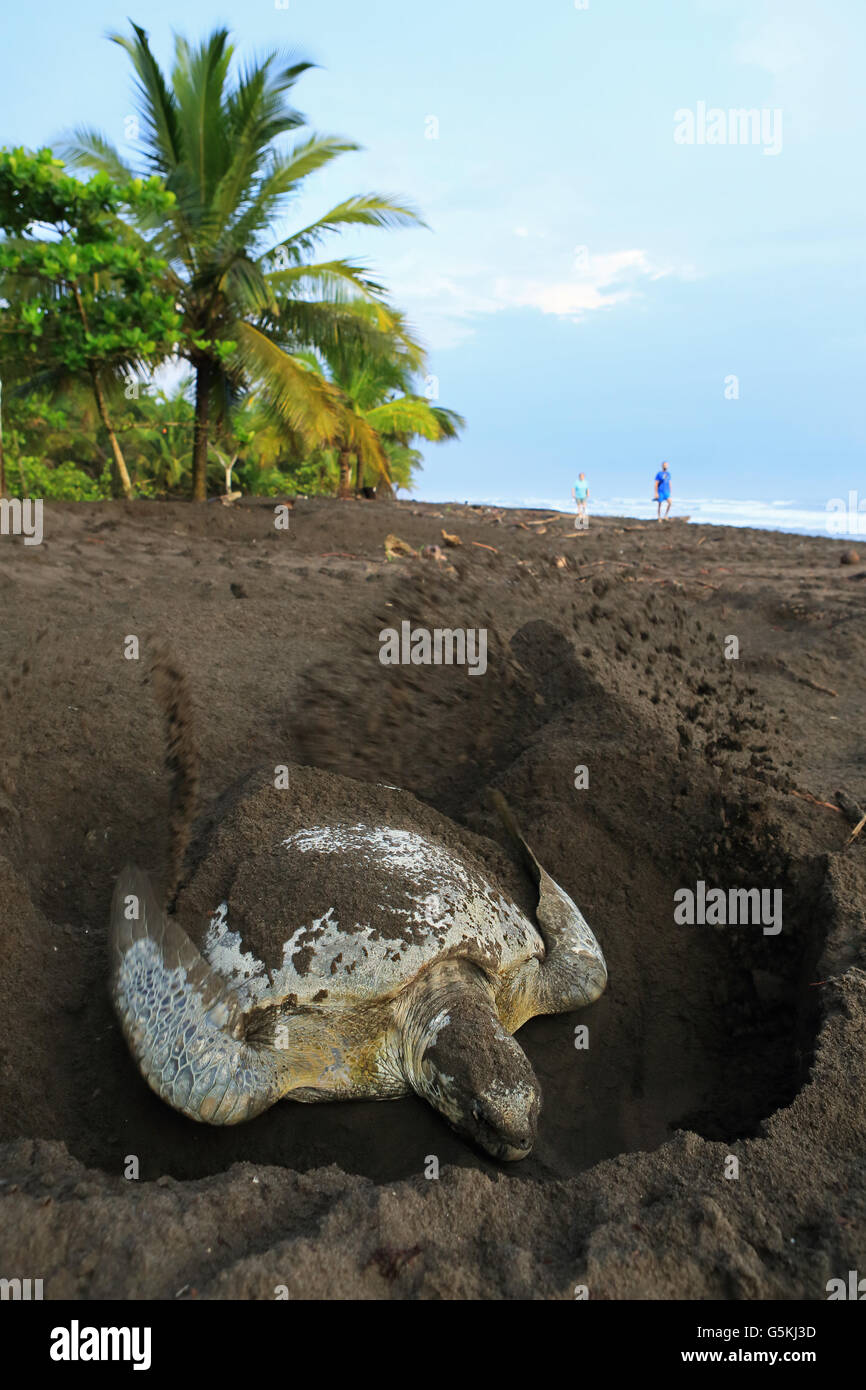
(587, 283)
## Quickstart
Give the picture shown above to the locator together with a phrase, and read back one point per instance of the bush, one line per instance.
(263, 482)
(64, 482)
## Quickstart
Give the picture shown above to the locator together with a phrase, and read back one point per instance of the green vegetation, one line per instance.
(301, 373)
(83, 296)
(381, 413)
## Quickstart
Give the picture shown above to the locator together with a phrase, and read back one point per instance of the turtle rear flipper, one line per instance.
(183, 1023)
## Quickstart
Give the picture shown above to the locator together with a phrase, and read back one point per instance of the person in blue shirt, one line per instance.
(580, 493)
(663, 491)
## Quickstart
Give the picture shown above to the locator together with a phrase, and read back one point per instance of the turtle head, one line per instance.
(488, 1095)
(464, 1063)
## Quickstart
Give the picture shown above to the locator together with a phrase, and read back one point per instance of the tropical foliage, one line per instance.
(382, 412)
(302, 372)
(79, 293)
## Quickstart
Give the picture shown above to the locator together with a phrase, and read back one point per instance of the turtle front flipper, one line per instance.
(573, 972)
(183, 1023)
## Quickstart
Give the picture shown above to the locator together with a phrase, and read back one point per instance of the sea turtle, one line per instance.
(360, 952)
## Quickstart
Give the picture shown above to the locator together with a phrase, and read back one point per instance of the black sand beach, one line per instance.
(607, 650)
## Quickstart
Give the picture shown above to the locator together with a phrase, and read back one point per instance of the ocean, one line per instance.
(840, 517)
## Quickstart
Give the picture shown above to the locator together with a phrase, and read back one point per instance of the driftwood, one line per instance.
(805, 680)
(813, 685)
(394, 546)
(856, 831)
(807, 796)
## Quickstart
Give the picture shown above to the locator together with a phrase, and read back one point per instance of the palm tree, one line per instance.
(396, 421)
(382, 413)
(248, 305)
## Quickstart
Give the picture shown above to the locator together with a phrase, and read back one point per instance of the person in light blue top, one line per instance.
(663, 491)
(580, 493)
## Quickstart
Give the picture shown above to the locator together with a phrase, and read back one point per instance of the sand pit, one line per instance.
(711, 1042)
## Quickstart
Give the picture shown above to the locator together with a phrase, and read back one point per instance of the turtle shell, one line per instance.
(332, 892)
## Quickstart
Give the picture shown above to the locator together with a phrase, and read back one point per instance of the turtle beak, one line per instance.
(509, 1154)
(506, 1135)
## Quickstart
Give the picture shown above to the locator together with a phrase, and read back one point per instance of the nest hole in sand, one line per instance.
(709, 1029)
(705, 1028)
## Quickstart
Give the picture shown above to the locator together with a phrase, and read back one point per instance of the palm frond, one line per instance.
(306, 402)
(339, 281)
(364, 441)
(281, 178)
(339, 330)
(411, 416)
(367, 210)
(164, 148)
(89, 149)
(198, 82)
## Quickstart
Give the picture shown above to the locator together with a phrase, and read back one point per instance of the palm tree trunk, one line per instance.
(359, 475)
(121, 472)
(345, 488)
(203, 380)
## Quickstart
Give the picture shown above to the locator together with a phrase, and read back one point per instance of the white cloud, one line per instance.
(444, 306)
(565, 299)
(606, 279)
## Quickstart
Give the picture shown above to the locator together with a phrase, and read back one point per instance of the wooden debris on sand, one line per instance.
(805, 680)
(814, 685)
(856, 831)
(807, 796)
(394, 547)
